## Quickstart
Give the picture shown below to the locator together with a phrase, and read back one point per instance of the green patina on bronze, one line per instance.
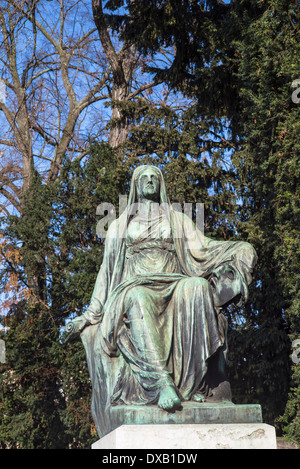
(154, 333)
(190, 413)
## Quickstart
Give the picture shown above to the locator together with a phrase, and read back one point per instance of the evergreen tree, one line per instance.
(268, 58)
(32, 400)
(194, 162)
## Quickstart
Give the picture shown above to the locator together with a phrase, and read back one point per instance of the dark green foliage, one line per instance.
(31, 400)
(193, 156)
(195, 29)
(268, 57)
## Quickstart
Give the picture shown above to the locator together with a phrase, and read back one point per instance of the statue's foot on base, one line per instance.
(168, 399)
(198, 397)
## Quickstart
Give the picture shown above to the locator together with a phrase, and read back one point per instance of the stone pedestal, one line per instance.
(191, 412)
(190, 436)
(196, 426)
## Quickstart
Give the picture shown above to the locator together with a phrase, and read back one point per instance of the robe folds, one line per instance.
(152, 315)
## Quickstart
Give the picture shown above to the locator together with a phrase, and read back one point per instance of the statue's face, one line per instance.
(226, 284)
(149, 185)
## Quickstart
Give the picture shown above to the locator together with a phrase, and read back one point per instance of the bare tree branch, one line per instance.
(143, 88)
(12, 199)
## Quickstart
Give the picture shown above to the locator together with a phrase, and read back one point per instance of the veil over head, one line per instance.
(134, 182)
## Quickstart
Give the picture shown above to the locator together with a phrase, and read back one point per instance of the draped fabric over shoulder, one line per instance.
(153, 319)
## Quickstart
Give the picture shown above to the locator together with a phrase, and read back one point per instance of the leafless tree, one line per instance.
(59, 63)
(63, 75)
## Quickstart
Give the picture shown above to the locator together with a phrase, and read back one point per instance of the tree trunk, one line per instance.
(122, 66)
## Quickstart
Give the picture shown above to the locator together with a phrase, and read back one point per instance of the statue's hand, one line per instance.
(74, 328)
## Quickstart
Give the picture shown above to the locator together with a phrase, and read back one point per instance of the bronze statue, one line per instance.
(154, 332)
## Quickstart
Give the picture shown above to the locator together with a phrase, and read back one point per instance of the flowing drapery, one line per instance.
(153, 320)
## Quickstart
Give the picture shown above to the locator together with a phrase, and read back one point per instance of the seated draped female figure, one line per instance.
(154, 332)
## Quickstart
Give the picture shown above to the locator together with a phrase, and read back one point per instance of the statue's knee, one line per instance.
(196, 282)
(134, 295)
(203, 282)
(134, 303)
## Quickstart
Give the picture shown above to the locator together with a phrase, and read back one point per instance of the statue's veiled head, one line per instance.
(148, 183)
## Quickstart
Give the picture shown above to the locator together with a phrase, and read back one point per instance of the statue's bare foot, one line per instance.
(198, 397)
(168, 399)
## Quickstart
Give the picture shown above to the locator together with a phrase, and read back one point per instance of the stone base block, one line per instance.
(190, 436)
(189, 413)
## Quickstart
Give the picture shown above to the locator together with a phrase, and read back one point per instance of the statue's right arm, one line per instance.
(74, 328)
(93, 315)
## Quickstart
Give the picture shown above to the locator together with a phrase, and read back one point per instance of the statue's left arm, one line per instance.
(200, 255)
